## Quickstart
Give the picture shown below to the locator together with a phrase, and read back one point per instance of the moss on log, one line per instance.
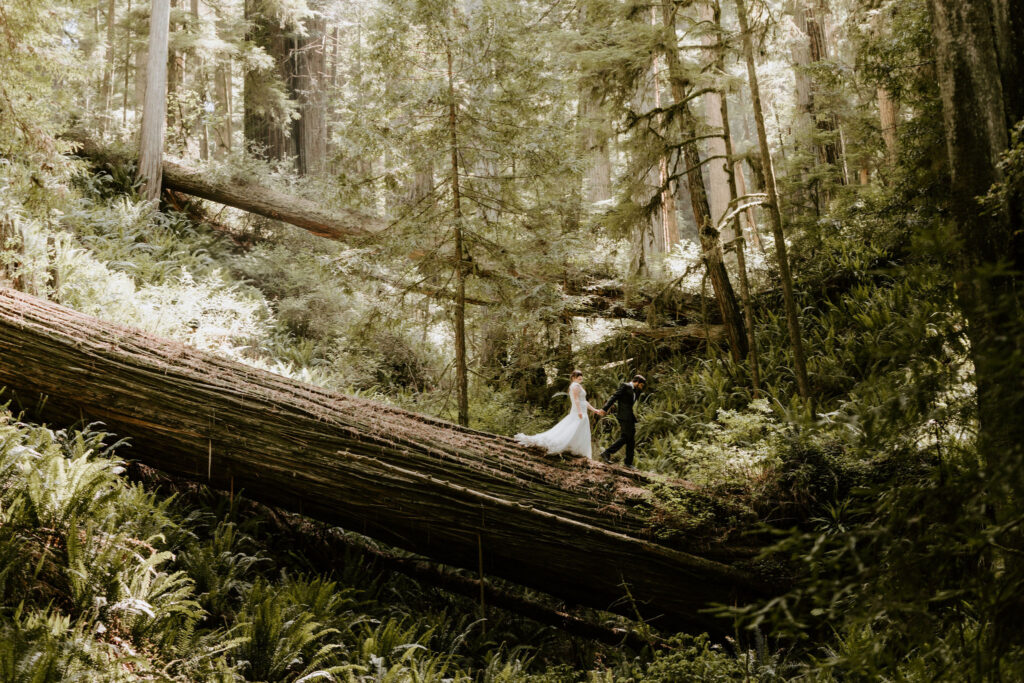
(570, 527)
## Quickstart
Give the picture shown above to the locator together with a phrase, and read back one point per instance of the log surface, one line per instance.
(570, 527)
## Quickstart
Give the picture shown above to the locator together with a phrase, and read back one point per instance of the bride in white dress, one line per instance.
(572, 434)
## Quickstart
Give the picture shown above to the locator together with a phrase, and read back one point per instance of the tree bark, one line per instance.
(597, 177)
(978, 63)
(139, 85)
(741, 261)
(774, 210)
(669, 227)
(595, 132)
(12, 250)
(325, 545)
(127, 66)
(154, 119)
(309, 87)
(575, 529)
(222, 97)
(718, 171)
(887, 119)
(754, 234)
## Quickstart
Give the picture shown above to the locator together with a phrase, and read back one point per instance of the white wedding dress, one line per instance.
(572, 434)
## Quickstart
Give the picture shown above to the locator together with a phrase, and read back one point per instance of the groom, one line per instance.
(624, 397)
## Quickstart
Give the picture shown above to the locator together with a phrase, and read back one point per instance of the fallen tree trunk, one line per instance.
(582, 307)
(341, 225)
(610, 299)
(598, 301)
(324, 545)
(573, 528)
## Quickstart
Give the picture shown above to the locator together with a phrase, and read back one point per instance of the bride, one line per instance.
(572, 434)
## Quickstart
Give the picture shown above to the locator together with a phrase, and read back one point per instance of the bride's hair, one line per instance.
(575, 374)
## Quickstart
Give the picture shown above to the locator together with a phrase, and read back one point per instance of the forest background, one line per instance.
(801, 219)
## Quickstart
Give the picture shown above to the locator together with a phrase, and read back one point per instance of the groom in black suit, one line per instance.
(624, 398)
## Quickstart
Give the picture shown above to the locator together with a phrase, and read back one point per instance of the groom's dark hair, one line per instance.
(639, 378)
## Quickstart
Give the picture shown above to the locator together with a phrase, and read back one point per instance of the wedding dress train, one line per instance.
(572, 434)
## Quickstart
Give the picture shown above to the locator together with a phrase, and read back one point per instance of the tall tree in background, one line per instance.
(310, 88)
(717, 157)
(154, 113)
(711, 245)
(108, 70)
(175, 83)
(667, 237)
(223, 110)
(267, 109)
(810, 51)
(887, 123)
(979, 50)
(774, 210)
(461, 374)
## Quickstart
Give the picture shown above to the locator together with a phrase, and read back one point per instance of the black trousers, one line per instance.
(627, 438)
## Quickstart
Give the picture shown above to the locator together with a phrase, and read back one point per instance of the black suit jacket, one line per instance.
(623, 399)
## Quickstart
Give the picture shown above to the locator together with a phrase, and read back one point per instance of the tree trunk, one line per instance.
(978, 47)
(774, 210)
(108, 71)
(823, 129)
(222, 98)
(263, 120)
(712, 248)
(595, 136)
(461, 376)
(328, 546)
(595, 132)
(709, 240)
(154, 119)
(718, 161)
(741, 261)
(309, 87)
(575, 529)
(887, 119)
(127, 66)
(669, 227)
(748, 313)
(139, 85)
(12, 253)
(648, 234)
(329, 122)
(175, 78)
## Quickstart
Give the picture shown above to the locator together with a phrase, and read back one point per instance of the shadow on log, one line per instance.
(574, 528)
(327, 546)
